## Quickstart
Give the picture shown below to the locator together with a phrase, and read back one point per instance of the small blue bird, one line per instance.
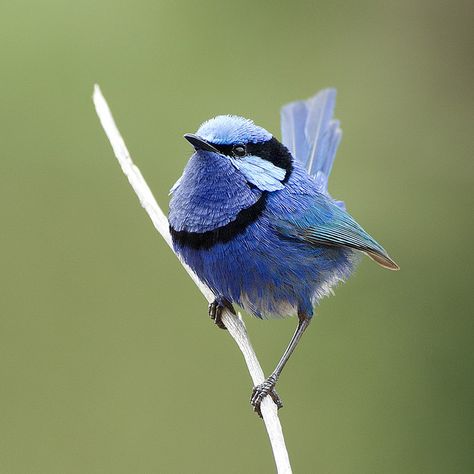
(253, 218)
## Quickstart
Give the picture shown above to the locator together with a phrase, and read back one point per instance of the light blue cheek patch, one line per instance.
(261, 173)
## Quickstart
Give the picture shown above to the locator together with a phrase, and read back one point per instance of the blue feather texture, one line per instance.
(312, 135)
(210, 194)
(268, 272)
(253, 217)
(261, 173)
(231, 129)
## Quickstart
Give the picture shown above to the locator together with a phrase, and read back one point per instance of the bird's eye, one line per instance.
(239, 150)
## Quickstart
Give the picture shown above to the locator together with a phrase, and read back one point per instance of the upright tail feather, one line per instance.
(312, 135)
(293, 120)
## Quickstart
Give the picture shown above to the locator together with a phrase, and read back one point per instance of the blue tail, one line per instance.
(312, 135)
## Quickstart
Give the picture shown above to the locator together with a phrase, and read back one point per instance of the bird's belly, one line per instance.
(267, 274)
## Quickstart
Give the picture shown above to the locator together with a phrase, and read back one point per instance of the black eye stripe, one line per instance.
(271, 150)
(224, 149)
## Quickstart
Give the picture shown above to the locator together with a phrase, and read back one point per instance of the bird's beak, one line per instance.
(199, 144)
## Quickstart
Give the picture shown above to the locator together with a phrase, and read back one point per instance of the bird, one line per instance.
(253, 218)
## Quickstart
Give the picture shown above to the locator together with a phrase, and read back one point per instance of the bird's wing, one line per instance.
(328, 224)
(312, 135)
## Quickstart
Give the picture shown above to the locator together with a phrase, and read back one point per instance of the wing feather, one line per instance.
(335, 227)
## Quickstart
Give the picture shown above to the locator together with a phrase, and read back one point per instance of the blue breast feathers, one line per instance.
(210, 194)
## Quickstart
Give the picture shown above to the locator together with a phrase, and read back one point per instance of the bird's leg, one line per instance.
(216, 308)
(268, 386)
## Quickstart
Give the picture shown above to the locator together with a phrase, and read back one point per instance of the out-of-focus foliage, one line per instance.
(108, 362)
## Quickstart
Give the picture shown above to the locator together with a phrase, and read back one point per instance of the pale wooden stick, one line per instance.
(234, 324)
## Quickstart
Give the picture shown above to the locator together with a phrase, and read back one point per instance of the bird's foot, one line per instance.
(261, 391)
(217, 307)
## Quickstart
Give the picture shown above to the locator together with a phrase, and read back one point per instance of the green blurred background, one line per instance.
(108, 361)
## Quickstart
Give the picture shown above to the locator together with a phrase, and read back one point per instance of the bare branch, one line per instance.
(234, 324)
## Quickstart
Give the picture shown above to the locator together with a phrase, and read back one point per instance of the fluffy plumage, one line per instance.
(258, 229)
(231, 129)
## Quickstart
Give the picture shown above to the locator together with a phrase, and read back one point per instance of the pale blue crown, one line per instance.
(231, 129)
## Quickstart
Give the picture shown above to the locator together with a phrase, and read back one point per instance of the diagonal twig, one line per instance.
(234, 324)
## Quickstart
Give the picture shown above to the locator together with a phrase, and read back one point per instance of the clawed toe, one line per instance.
(215, 313)
(216, 308)
(261, 391)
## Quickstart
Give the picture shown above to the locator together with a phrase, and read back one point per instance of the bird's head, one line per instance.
(262, 160)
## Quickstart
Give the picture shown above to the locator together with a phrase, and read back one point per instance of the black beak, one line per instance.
(199, 144)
